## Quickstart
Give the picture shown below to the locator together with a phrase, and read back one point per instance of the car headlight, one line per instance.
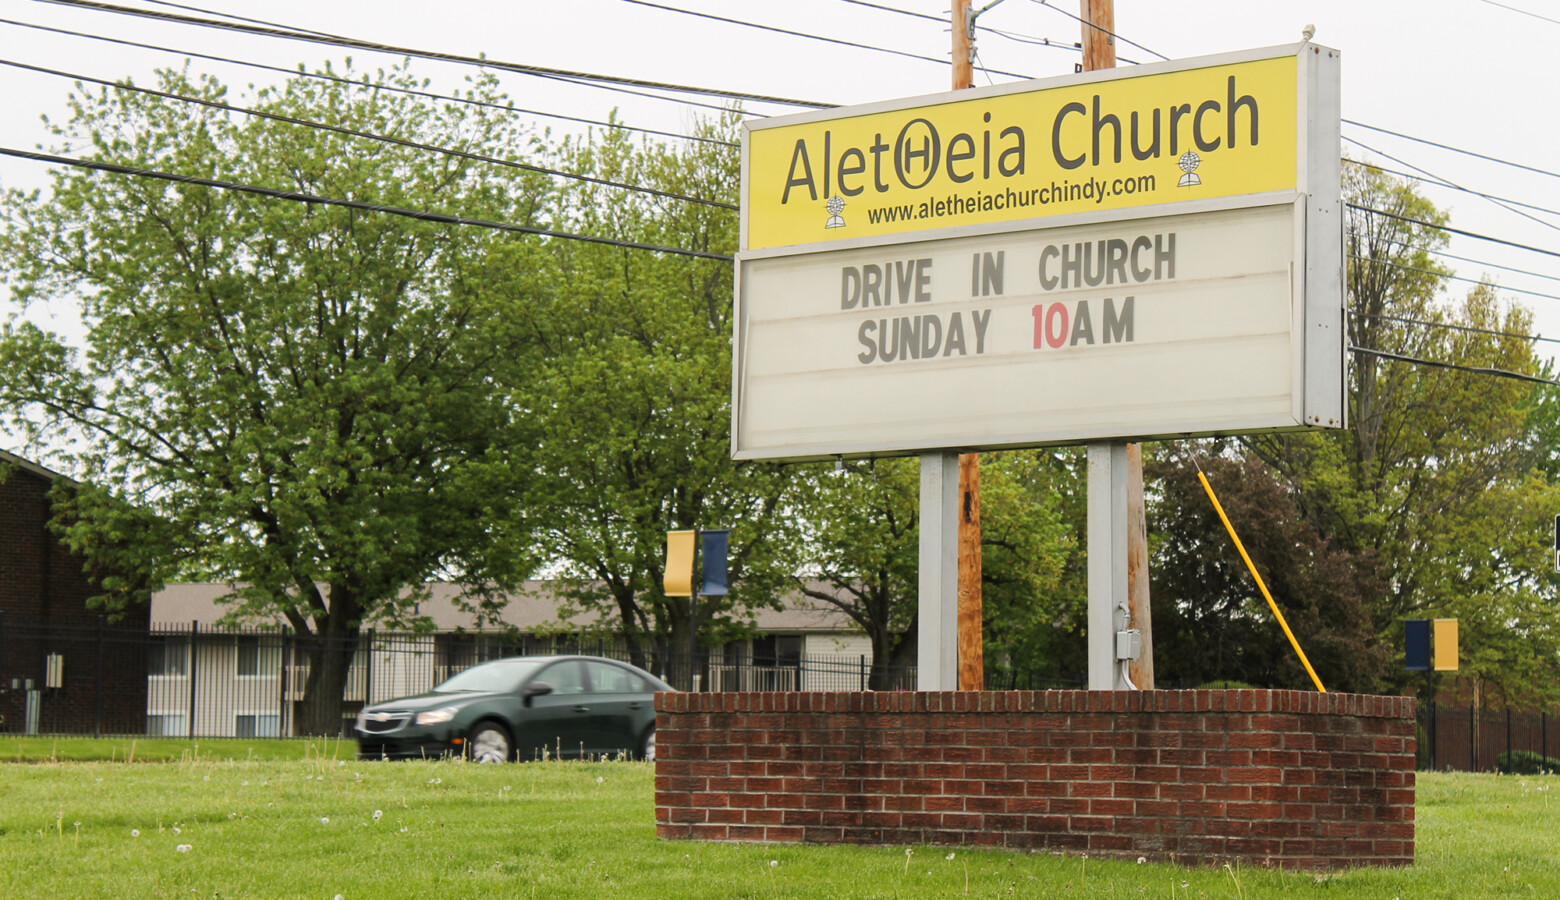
(435, 716)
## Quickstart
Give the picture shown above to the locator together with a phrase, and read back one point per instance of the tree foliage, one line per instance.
(863, 540)
(1442, 483)
(633, 399)
(312, 402)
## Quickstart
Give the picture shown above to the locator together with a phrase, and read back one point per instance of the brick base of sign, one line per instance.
(1295, 779)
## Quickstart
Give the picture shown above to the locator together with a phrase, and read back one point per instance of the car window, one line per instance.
(504, 675)
(566, 677)
(606, 678)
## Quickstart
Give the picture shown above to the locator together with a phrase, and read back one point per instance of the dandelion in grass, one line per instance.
(324, 820)
(949, 857)
(774, 863)
(135, 832)
(377, 814)
(175, 829)
(183, 848)
(1142, 860)
(403, 829)
(599, 779)
(205, 778)
(908, 853)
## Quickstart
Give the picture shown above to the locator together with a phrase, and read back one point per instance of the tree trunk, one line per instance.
(329, 658)
(329, 653)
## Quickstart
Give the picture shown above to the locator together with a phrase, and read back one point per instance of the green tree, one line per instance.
(863, 527)
(313, 402)
(1441, 478)
(634, 400)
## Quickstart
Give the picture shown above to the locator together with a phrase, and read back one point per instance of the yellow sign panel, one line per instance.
(1199, 133)
(678, 579)
(1445, 645)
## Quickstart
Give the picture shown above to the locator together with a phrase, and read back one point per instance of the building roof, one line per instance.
(28, 465)
(533, 608)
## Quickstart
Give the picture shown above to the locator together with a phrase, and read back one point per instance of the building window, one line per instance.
(257, 726)
(258, 655)
(168, 655)
(167, 726)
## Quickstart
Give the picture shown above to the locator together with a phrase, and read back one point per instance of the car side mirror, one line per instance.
(535, 689)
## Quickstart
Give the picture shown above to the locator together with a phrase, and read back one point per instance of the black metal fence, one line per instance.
(191, 680)
(1469, 739)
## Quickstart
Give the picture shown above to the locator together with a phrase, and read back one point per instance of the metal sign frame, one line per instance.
(1317, 274)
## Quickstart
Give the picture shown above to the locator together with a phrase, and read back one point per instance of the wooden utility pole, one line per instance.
(972, 663)
(1099, 52)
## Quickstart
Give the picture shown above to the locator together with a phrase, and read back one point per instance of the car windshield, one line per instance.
(504, 675)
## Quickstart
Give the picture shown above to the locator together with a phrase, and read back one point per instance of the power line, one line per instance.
(902, 12)
(1434, 179)
(1451, 230)
(1478, 370)
(1477, 262)
(378, 87)
(300, 197)
(1450, 327)
(1406, 268)
(800, 34)
(353, 43)
(234, 17)
(1523, 12)
(381, 138)
(1426, 141)
(1047, 5)
(1501, 203)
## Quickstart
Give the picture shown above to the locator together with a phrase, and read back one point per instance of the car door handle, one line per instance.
(635, 705)
(581, 709)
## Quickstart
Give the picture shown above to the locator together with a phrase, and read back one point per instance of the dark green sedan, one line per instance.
(528, 707)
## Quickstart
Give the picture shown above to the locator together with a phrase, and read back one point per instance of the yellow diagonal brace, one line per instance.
(1274, 606)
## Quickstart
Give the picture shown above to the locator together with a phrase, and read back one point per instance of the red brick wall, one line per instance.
(43, 610)
(1290, 778)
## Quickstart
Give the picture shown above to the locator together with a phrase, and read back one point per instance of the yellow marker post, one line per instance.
(1274, 606)
(1446, 645)
(678, 579)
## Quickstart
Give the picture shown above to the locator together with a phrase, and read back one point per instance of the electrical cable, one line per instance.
(1523, 12)
(1501, 203)
(353, 43)
(1477, 262)
(1433, 179)
(1384, 262)
(378, 87)
(233, 16)
(381, 138)
(1450, 230)
(1478, 370)
(902, 12)
(1450, 327)
(1420, 140)
(1047, 5)
(300, 197)
(801, 34)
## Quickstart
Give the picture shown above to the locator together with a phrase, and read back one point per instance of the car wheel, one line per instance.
(488, 743)
(647, 746)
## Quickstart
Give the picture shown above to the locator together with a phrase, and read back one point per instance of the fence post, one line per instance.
(1473, 741)
(194, 630)
(368, 671)
(97, 692)
(1543, 734)
(863, 671)
(1508, 736)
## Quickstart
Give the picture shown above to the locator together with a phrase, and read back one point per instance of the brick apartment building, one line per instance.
(84, 678)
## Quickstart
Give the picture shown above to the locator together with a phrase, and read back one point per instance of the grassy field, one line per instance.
(226, 819)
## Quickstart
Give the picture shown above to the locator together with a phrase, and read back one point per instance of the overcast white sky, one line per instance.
(1474, 74)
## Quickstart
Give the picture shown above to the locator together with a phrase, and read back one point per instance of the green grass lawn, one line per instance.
(299, 820)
